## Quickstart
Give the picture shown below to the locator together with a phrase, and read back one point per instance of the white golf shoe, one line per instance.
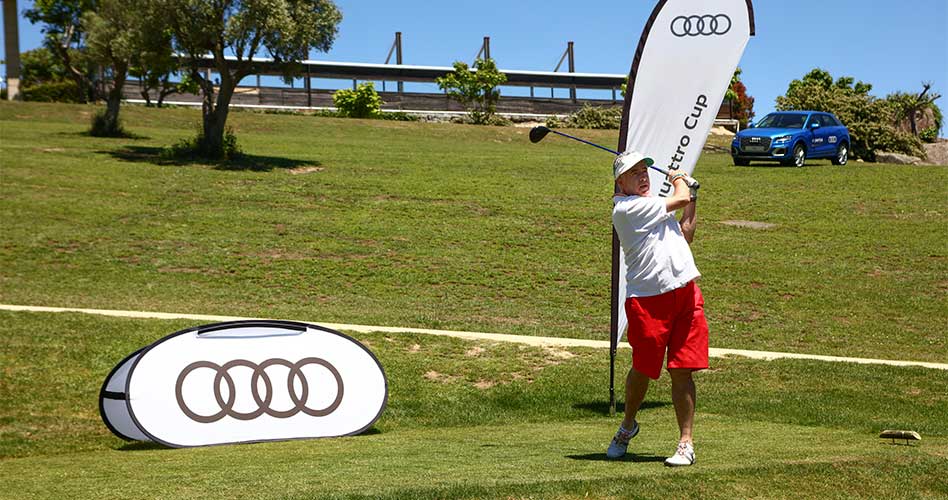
(684, 455)
(620, 443)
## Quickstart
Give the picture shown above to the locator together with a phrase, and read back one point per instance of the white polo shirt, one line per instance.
(657, 256)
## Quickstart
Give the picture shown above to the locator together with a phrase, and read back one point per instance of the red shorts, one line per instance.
(673, 321)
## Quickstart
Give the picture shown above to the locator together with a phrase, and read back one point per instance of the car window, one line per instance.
(826, 121)
(794, 121)
(782, 120)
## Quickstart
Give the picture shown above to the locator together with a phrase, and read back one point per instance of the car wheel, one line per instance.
(799, 156)
(842, 154)
(741, 163)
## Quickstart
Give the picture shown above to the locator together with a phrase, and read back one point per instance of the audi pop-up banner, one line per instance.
(680, 72)
(244, 381)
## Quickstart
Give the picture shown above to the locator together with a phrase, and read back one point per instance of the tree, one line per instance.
(64, 37)
(153, 63)
(742, 105)
(475, 90)
(232, 33)
(40, 66)
(906, 105)
(114, 33)
(868, 118)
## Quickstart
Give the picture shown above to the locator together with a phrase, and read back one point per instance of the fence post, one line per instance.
(572, 69)
(398, 57)
(309, 90)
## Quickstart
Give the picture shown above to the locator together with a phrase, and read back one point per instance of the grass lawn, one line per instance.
(480, 420)
(464, 228)
(454, 227)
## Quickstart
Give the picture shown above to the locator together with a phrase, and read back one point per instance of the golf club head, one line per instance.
(538, 133)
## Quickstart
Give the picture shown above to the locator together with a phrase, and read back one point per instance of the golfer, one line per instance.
(663, 304)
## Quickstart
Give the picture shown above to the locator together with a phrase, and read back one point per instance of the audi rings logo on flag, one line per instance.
(262, 402)
(705, 25)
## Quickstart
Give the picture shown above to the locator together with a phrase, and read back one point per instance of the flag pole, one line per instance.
(614, 324)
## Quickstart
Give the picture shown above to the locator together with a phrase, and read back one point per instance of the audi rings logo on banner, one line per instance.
(263, 403)
(705, 25)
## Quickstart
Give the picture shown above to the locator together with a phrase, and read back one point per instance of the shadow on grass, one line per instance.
(159, 156)
(371, 431)
(125, 134)
(763, 164)
(628, 457)
(142, 446)
(149, 446)
(602, 407)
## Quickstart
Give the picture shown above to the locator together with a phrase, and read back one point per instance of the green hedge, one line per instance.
(590, 117)
(64, 91)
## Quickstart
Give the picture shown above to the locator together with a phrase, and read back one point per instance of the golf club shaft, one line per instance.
(653, 167)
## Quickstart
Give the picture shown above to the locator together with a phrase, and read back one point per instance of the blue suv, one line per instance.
(791, 137)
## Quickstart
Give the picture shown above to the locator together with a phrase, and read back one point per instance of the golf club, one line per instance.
(539, 132)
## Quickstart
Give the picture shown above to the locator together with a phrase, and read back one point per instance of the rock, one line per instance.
(923, 120)
(897, 158)
(937, 152)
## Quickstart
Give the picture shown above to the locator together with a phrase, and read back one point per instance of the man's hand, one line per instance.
(677, 174)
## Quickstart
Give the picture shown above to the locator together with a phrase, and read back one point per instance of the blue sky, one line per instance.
(894, 45)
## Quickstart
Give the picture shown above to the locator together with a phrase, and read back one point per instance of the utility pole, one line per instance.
(11, 35)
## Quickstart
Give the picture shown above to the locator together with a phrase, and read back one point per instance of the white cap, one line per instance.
(625, 161)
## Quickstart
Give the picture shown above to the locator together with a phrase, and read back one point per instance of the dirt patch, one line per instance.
(440, 377)
(558, 353)
(305, 170)
(186, 270)
(721, 131)
(414, 348)
(748, 224)
(271, 255)
(484, 384)
(474, 351)
(444, 378)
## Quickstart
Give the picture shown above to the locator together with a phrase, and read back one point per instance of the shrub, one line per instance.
(197, 148)
(62, 91)
(590, 117)
(102, 126)
(929, 135)
(475, 90)
(398, 116)
(363, 102)
(3, 94)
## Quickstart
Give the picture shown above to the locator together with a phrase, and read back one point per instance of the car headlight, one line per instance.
(782, 139)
